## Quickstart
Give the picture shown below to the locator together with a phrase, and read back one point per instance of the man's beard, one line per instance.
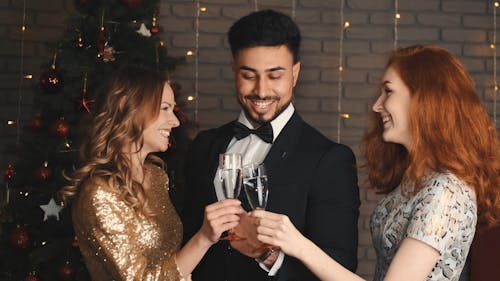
(259, 121)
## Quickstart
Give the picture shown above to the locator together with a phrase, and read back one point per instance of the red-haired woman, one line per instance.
(434, 152)
(125, 223)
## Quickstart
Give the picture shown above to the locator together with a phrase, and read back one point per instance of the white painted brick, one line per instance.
(464, 6)
(310, 45)
(318, 31)
(349, 46)
(387, 18)
(354, 18)
(373, 61)
(421, 5)
(308, 74)
(464, 35)
(220, 26)
(319, 4)
(418, 33)
(483, 21)
(349, 75)
(307, 16)
(478, 50)
(370, 5)
(235, 12)
(306, 104)
(439, 19)
(314, 89)
(369, 32)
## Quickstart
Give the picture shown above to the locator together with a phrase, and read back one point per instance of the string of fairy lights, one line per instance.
(493, 47)
(397, 16)
(22, 76)
(343, 26)
(196, 60)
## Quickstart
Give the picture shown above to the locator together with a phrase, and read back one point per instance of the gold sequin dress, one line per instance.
(118, 243)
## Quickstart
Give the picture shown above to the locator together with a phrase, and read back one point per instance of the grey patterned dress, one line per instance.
(442, 214)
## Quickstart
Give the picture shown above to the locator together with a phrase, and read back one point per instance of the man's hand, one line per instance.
(249, 246)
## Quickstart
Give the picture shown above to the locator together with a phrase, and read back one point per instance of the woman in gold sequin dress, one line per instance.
(434, 152)
(125, 223)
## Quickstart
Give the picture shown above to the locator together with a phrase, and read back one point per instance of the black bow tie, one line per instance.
(264, 132)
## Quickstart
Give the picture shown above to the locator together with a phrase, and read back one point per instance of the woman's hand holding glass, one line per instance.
(229, 172)
(219, 217)
(278, 230)
(255, 185)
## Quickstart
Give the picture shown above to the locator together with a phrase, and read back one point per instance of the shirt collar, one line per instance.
(278, 123)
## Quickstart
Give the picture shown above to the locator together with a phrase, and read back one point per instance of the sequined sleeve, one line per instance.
(444, 214)
(115, 240)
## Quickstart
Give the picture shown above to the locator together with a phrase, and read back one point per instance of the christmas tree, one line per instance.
(37, 238)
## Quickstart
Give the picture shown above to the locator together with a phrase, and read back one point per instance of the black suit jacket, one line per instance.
(311, 179)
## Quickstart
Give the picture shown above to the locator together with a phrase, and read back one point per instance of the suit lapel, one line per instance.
(283, 147)
(285, 143)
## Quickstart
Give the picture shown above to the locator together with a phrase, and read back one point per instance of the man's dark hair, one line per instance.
(265, 28)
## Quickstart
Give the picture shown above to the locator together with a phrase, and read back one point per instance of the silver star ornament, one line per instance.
(51, 209)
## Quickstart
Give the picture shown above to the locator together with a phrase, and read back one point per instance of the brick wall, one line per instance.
(465, 27)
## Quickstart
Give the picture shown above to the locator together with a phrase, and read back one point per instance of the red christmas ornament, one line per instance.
(43, 174)
(132, 3)
(67, 272)
(51, 81)
(20, 239)
(36, 123)
(9, 173)
(154, 29)
(75, 243)
(60, 128)
(32, 276)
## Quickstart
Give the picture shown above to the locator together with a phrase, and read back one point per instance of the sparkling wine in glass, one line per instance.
(230, 175)
(255, 185)
(256, 189)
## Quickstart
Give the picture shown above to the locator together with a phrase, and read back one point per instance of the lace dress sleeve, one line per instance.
(444, 213)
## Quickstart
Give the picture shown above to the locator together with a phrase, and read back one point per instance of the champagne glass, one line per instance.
(255, 185)
(229, 172)
(256, 189)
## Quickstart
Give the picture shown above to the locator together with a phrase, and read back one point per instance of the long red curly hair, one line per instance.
(450, 130)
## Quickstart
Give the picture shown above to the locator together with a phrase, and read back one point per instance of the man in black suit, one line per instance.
(311, 179)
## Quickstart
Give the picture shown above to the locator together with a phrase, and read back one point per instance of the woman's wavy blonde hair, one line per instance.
(451, 130)
(130, 101)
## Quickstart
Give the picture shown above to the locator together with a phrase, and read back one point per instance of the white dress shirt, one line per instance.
(254, 150)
